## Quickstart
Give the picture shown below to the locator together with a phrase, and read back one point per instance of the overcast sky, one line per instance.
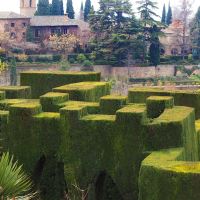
(13, 5)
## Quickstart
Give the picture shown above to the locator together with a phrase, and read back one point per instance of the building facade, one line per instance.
(41, 26)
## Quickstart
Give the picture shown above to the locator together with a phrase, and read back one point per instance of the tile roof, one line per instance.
(53, 21)
(11, 15)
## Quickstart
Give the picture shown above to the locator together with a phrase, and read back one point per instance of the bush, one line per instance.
(17, 51)
(81, 58)
(3, 55)
(21, 57)
(87, 66)
(57, 57)
(72, 60)
(41, 58)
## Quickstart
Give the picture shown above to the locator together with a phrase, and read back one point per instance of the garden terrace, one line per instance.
(80, 134)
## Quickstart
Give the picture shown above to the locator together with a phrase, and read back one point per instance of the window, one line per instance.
(30, 3)
(65, 31)
(24, 24)
(13, 35)
(23, 34)
(174, 51)
(55, 31)
(12, 25)
(37, 33)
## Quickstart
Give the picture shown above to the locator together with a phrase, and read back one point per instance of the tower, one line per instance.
(28, 7)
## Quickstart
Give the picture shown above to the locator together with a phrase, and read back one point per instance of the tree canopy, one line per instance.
(87, 9)
(43, 8)
(163, 19)
(169, 15)
(70, 9)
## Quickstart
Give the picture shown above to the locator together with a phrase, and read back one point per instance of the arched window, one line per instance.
(30, 3)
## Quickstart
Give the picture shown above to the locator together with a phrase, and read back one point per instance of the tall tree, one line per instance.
(163, 19)
(87, 9)
(115, 31)
(61, 8)
(195, 35)
(70, 9)
(55, 10)
(81, 14)
(43, 8)
(169, 15)
(154, 49)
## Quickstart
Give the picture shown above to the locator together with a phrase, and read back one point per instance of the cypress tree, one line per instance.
(70, 9)
(43, 8)
(163, 19)
(61, 8)
(169, 16)
(55, 7)
(87, 9)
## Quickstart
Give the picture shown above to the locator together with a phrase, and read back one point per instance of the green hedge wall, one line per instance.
(42, 82)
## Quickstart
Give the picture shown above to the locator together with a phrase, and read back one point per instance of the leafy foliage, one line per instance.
(169, 16)
(70, 9)
(43, 8)
(87, 9)
(195, 35)
(13, 181)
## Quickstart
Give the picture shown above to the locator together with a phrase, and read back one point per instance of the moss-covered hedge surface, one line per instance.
(181, 97)
(164, 176)
(85, 91)
(42, 82)
(16, 92)
(80, 136)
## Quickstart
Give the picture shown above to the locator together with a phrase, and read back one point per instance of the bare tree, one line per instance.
(184, 10)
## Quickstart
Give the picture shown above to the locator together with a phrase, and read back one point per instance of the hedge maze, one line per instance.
(142, 147)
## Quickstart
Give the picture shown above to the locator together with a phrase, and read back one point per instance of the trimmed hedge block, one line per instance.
(174, 128)
(157, 104)
(85, 91)
(2, 95)
(164, 176)
(181, 97)
(111, 103)
(50, 101)
(5, 104)
(52, 79)
(16, 92)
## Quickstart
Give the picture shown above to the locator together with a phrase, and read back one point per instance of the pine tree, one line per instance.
(115, 34)
(55, 7)
(163, 19)
(43, 8)
(169, 16)
(70, 9)
(195, 35)
(87, 9)
(61, 8)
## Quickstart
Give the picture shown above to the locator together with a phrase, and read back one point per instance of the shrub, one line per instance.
(81, 58)
(57, 57)
(21, 57)
(87, 66)
(41, 58)
(72, 60)
(17, 51)
(3, 54)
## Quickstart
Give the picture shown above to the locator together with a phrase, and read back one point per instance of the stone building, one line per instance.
(41, 26)
(172, 41)
(14, 24)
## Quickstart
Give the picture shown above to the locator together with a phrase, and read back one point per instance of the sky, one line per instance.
(13, 5)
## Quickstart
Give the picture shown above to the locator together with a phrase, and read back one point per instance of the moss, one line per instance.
(111, 103)
(174, 128)
(50, 101)
(16, 92)
(163, 177)
(4, 130)
(181, 97)
(156, 105)
(85, 91)
(52, 79)
(92, 107)
(2, 95)
(5, 104)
